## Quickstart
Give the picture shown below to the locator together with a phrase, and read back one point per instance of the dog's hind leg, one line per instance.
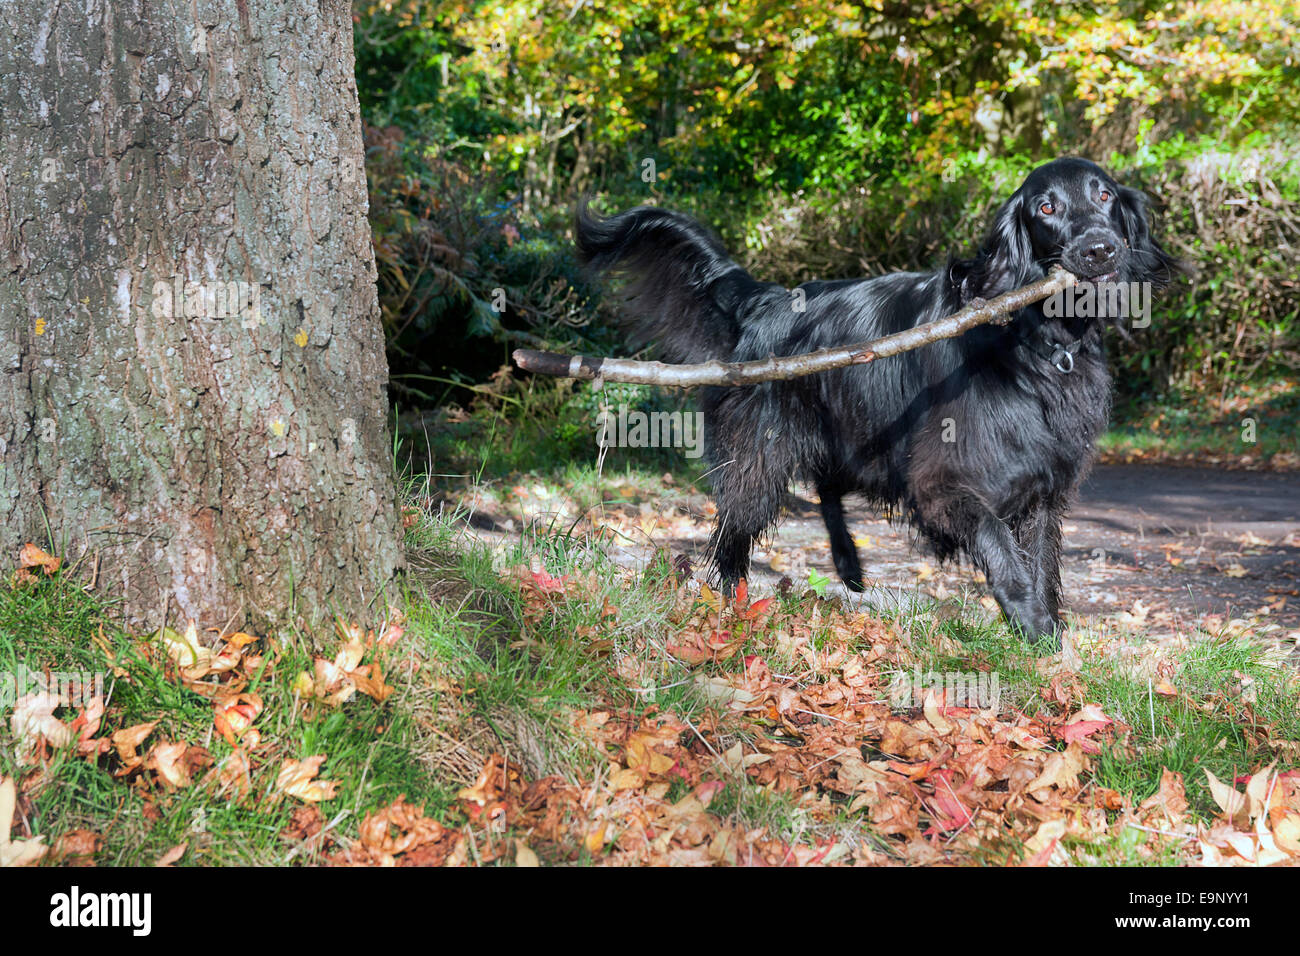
(749, 494)
(843, 550)
(731, 546)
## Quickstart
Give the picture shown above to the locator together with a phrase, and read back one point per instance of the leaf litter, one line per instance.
(797, 702)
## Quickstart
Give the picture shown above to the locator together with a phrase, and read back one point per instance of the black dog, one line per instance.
(979, 440)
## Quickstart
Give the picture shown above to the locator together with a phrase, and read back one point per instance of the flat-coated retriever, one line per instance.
(980, 440)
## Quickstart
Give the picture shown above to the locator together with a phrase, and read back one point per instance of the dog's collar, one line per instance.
(1059, 354)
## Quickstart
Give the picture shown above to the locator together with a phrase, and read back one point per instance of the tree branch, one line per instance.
(977, 312)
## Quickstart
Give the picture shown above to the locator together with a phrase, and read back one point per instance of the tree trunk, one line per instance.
(192, 397)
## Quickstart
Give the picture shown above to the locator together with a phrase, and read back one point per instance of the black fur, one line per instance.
(979, 441)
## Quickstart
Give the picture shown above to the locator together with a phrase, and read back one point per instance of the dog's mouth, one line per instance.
(1101, 277)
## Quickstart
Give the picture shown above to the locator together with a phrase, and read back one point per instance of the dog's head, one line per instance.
(1068, 211)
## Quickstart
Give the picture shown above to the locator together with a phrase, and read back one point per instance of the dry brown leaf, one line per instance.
(370, 681)
(1043, 844)
(184, 650)
(1230, 800)
(77, 847)
(233, 773)
(297, 779)
(400, 828)
(932, 714)
(30, 556)
(15, 852)
(86, 725)
(1286, 831)
(1168, 804)
(1061, 770)
(168, 761)
(172, 856)
(128, 739)
(595, 840)
(33, 720)
(524, 856)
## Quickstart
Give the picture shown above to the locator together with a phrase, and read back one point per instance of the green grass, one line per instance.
(537, 425)
(1177, 734)
(521, 675)
(54, 625)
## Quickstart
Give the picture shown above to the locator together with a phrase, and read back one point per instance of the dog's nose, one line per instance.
(1099, 253)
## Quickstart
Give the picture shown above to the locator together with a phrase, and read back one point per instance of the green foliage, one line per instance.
(821, 140)
(462, 278)
(818, 582)
(537, 424)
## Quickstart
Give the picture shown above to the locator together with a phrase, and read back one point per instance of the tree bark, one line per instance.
(192, 370)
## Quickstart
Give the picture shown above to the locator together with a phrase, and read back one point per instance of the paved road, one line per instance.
(1156, 548)
(1184, 542)
(1235, 536)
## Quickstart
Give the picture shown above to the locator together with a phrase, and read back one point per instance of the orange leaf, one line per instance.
(33, 557)
(297, 779)
(235, 715)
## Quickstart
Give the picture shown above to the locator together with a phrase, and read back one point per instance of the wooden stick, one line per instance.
(977, 312)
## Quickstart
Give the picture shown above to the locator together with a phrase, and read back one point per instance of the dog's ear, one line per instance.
(1151, 263)
(1004, 262)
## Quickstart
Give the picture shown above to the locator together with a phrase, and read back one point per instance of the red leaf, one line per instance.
(548, 584)
(947, 811)
(1082, 725)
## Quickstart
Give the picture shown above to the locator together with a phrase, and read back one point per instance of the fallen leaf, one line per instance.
(1230, 800)
(185, 651)
(30, 556)
(172, 855)
(1086, 722)
(1168, 803)
(33, 720)
(297, 778)
(524, 856)
(128, 739)
(1044, 842)
(595, 840)
(77, 847)
(167, 760)
(15, 852)
(234, 716)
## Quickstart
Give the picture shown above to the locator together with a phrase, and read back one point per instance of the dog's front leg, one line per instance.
(1039, 538)
(1011, 576)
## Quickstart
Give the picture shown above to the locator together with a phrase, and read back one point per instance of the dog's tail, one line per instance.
(684, 291)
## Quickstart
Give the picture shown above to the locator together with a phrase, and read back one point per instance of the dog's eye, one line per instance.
(1104, 195)
(1047, 209)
